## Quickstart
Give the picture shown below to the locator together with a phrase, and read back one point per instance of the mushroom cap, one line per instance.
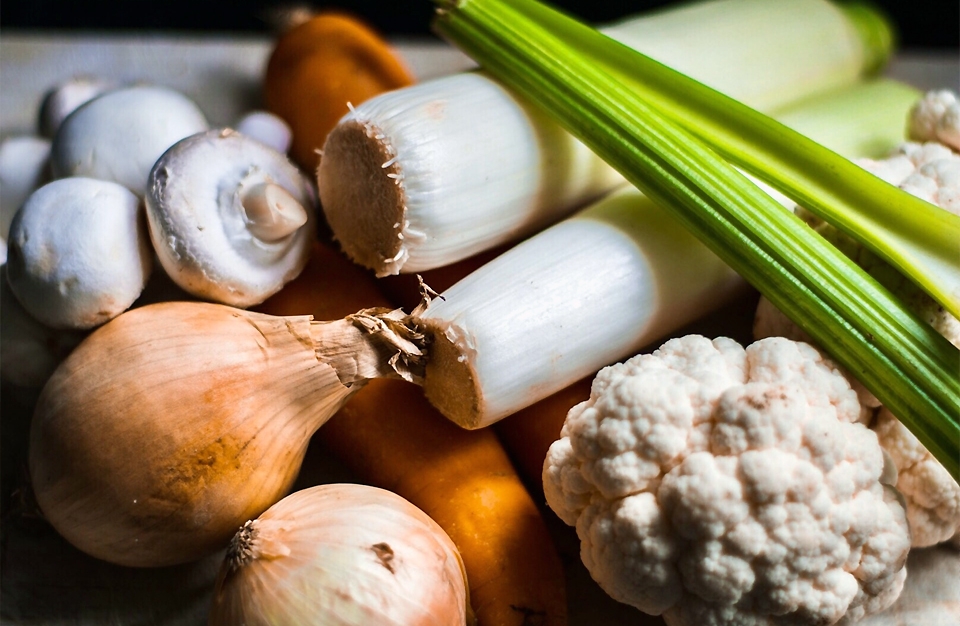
(64, 98)
(267, 128)
(78, 252)
(120, 134)
(23, 168)
(201, 230)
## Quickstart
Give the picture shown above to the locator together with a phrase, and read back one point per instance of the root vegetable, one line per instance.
(320, 67)
(173, 424)
(388, 435)
(341, 555)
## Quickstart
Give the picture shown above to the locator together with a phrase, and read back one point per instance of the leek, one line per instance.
(908, 366)
(404, 181)
(912, 235)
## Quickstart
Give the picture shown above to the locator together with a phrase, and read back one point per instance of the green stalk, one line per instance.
(862, 121)
(912, 235)
(897, 356)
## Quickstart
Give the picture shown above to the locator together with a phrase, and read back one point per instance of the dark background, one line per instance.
(922, 24)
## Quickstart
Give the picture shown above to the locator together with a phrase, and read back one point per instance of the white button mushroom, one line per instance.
(119, 135)
(23, 168)
(231, 219)
(267, 128)
(63, 99)
(78, 254)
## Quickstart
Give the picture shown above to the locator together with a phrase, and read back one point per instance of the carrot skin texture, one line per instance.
(389, 436)
(320, 67)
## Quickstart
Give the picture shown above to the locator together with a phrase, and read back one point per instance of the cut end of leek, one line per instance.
(366, 216)
(450, 382)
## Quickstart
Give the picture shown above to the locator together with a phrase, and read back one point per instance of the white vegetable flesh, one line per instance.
(573, 298)
(930, 171)
(266, 128)
(430, 174)
(714, 484)
(407, 182)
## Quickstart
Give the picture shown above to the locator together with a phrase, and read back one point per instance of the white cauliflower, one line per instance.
(936, 117)
(714, 484)
(930, 171)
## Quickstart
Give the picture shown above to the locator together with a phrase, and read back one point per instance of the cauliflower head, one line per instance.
(713, 484)
(936, 117)
(930, 171)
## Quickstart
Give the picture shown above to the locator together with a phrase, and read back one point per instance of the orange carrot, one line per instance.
(388, 435)
(319, 66)
(527, 434)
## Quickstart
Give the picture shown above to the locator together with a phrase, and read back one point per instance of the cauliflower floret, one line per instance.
(932, 496)
(936, 117)
(930, 171)
(714, 484)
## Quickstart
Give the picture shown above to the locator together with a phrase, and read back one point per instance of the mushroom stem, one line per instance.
(272, 212)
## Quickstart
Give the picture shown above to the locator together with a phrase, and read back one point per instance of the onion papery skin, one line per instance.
(173, 424)
(342, 555)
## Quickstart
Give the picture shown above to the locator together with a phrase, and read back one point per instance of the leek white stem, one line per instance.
(588, 291)
(431, 174)
(597, 287)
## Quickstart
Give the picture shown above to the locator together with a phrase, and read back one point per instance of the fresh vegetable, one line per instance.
(119, 135)
(623, 261)
(64, 98)
(930, 596)
(529, 433)
(714, 484)
(79, 252)
(174, 423)
(937, 118)
(343, 555)
(24, 163)
(863, 119)
(594, 288)
(931, 171)
(318, 68)
(266, 128)
(231, 219)
(388, 435)
(906, 364)
(402, 193)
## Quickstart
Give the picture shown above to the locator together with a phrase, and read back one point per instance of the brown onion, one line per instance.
(341, 555)
(173, 424)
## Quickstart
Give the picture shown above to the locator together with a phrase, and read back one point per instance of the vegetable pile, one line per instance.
(191, 312)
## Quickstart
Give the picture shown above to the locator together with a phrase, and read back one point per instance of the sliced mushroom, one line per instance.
(231, 219)
(78, 253)
(119, 135)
